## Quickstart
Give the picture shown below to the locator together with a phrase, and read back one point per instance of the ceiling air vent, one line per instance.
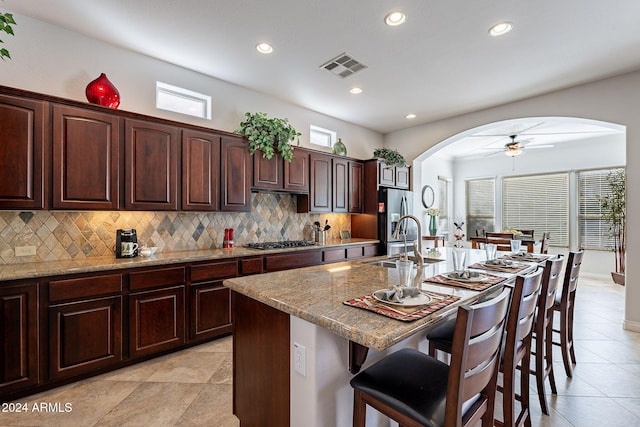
(343, 65)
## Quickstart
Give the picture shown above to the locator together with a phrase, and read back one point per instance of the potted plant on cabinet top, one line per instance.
(391, 157)
(268, 135)
(613, 207)
(6, 20)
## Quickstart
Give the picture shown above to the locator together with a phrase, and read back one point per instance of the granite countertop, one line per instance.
(316, 294)
(94, 264)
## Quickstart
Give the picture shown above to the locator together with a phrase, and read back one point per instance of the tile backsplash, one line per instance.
(82, 234)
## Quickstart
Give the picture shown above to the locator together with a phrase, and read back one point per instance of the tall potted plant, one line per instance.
(613, 207)
(268, 135)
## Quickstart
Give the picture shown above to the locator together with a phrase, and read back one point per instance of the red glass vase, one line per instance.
(102, 92)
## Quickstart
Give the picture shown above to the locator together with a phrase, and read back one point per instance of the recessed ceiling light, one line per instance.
(501, 28)
(355, 90)
(264, 47)
(410, 116)
(395, 18)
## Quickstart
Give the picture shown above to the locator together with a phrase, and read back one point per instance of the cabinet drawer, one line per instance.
(214, 271)
(355, 252)
(84, 287)
(371, 250)
(156, 277)
(251, 266)
(333, 255)
(294, 260)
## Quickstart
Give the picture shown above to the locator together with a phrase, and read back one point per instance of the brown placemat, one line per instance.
(527, 258)
(500, 268)
(406, 314)
(474, 286)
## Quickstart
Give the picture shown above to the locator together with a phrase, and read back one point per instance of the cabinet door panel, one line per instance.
(156, 321)
(151, 160)
(200, 171)
(340, 185)
(210, 310)
(22, 153)
(356, 196)
(296, 172)
(320, 183)
(386, 175)
(84, 336)
(19, 337)
(402, 177)
(85, 159)
(267, 173)
(235, 164)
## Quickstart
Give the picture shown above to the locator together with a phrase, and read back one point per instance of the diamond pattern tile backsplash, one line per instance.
(75, 235)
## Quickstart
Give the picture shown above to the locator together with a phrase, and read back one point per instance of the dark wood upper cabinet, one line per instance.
(402, 177)
(151, 166)
(340, 196)
(296, 172)
(320, 191)
(268, 174)
(235, 165)
(356, 195)
(277, 174)
(200, 171)
(86, 148)
(24, 123)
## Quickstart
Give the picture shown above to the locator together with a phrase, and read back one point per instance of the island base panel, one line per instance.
(261, 360)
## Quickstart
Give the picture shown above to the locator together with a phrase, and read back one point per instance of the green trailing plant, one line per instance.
(613, 207)
(6, 22)
(390, 156)
(268, 135)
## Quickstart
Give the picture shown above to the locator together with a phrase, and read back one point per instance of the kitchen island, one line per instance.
(296, 343)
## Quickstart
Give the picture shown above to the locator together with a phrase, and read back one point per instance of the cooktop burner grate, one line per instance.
(281, 244)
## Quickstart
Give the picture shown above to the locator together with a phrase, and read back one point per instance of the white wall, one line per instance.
(615, 100)
(55, 61)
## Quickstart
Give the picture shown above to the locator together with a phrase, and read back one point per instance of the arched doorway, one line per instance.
(552, 145)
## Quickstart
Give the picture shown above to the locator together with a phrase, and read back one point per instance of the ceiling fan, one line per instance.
(515, 148)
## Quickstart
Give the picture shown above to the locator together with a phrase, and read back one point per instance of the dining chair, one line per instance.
(564, 304)
(478, 242)
(542, 347)
(501, 244)
(415, 389)
(516, 351)
(544, 243)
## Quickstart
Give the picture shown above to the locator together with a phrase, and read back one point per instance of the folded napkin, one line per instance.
(499, 262)
(396, 294)
(466, 274)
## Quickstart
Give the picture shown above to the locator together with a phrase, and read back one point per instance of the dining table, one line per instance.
(300, 335)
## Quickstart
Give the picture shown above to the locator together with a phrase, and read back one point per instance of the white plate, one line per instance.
(420, 299)
(478, 278)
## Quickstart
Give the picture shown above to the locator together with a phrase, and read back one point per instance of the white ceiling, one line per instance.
(440, 63)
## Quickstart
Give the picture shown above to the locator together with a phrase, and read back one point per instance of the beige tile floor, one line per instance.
(193, 387)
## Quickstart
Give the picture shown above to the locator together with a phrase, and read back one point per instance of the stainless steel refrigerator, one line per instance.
(392, 205)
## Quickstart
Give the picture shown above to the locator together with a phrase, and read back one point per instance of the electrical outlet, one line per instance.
(25, 250)
(300, 359)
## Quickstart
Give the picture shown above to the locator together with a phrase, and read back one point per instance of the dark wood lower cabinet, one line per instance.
(156, 321)
(19, 337)
(84, 336)
(210, 310)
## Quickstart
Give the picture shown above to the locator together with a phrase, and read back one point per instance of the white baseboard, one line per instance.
(631, 326)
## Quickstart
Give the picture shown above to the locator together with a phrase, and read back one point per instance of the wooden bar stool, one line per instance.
(415, 389)
(543, 329)
(564, 304)
(516, 350)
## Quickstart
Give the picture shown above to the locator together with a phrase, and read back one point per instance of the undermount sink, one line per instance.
(391, 263)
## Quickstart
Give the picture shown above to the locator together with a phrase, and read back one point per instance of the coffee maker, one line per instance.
(126, 243)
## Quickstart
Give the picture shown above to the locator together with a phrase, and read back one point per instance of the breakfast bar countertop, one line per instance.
(94, 264)
(317, 294)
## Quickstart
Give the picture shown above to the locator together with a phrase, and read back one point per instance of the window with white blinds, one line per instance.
(538, 202)
(592, 229)
(481, 196)
(443, 204)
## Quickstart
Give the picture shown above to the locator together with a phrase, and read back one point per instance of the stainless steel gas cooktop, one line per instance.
(280, 244)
